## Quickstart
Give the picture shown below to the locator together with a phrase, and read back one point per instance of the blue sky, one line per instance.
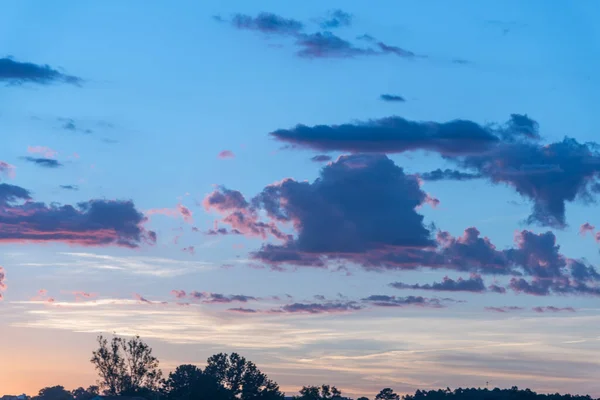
(165, 89)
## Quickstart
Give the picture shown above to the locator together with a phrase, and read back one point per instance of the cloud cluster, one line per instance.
(16, 73)
(90, 223)
(550, 175)
(363, 209)
(393, 301)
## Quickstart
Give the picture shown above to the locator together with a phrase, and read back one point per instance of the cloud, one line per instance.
(319, 308)
(179, 211)
(548, 174)
(585, 228)
(69, 187)
(473, 284)
(7, 170)
(336, 19)
(218, 298)
(360, 205)
(226, 154)
(43, 150)
(243, 310)
(42, 296)
(2, 282)
(44, 162)
(90, 223)
(189, 249)
(323, 44)
(392, 98)
(504, 309)
(321, 158)
(268, 23)
(553, 309)
(180, 294)
(17, 73)
(448, 174)
(393, 301)
(239, 215)
(391, 135)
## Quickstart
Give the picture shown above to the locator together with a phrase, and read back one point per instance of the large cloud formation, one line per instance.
(90, 223)
(363, 209)
(16, 72)
(550, 175)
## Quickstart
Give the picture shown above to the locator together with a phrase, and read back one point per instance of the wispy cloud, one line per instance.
(153, 266)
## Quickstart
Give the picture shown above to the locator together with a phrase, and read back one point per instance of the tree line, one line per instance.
(127, 367)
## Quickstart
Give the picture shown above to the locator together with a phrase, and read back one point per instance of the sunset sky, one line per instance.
(363, 194)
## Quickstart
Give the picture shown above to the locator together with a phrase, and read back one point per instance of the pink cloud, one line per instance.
(226, 154)
(42, 295)
(179, 211)
(585, 228)
(2, 282)
(45, 151)
(189, 249)
(7, 170)
(180, 294)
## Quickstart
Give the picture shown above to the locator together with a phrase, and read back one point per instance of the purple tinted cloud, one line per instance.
(218, 298)
(553, 309)
(550, 175)
(393, 301)
(504, 309)
(321, 158)
(473, 284)
(91, 223)
(320, 308)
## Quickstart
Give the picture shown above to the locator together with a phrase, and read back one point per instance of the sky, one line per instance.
(397, 196)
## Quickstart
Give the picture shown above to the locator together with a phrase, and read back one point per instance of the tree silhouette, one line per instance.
(54, 393)
(188, 382)
(242, 378)
(387, 394)
(85, 394)
(323, 392)
(126, 367)
(363, 398)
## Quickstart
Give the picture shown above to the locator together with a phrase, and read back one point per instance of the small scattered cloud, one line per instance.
(319, 308)
(394, 98)
(225, 154)
(2, 282)
(69, 187)
(336, 19)
(449, 175)
(553, 309)
(321, 158)
(473, 284)
(7, 170)
(179, 211)
(17, 73)
(43, 150)
(504, 309)
(44, 162)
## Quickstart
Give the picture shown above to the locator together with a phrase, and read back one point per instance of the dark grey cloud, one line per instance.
(243, 310)
(448, 175)
(337, 19)
(90, 223)
(328, 45)
(392, 98)
(17, 73)
(43, 162)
